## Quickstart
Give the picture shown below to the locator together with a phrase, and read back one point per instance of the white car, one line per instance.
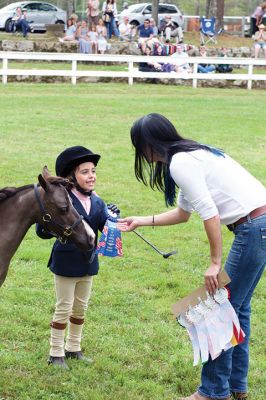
(38, 14)
(137, 13)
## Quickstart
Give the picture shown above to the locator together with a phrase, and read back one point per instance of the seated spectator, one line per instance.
(159, 50)
(145, 34)
(149, 66)
(256, 18)
(102, 35)
(83, 38)
(70, 33)
(93, 38)
(154, 27)
(260, 41)
(205, 68)
(126, 30)
(177, 60)
(223, 68)
(169, 29)
(20, 22)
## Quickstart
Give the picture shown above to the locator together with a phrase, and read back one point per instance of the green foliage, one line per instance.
(139, 351)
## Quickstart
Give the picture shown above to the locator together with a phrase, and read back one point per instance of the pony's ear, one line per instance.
(45, 172)
(42, 182)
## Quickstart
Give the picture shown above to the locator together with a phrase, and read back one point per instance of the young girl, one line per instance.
(73, 269)
(70, 34)
(102, 33)
(93, 38)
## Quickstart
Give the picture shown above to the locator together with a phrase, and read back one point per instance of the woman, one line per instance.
(109, 14)
(221, 192)
(73, 269)
(205, 68)
(83, 38)
(256, 18)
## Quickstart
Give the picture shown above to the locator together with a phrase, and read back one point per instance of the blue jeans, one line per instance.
(206, 69)
(24, 26)
(111, 28)
(245, 265)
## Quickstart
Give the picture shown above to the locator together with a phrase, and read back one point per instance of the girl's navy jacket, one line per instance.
(67, 259)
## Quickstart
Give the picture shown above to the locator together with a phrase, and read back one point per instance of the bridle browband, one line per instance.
(67, 230)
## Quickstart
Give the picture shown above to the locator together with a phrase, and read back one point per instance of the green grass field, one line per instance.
(139, 351)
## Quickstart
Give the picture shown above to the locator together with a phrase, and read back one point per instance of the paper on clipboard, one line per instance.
(193, 298)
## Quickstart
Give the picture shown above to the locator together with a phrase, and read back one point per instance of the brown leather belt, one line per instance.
(253, 214)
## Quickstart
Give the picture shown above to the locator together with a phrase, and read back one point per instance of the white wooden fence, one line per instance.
(129, 72)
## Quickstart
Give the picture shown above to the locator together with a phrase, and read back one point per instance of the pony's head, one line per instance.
(58, 214)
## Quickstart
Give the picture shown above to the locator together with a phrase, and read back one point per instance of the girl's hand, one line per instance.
(128, 224)
(211, 278)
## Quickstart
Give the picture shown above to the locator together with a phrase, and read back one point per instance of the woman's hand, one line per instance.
(211, 278)
(128, 224)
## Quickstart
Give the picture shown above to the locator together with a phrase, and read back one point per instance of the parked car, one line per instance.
(137, 13)
(38, 14)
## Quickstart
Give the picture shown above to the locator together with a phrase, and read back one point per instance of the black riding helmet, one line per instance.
(73, 156)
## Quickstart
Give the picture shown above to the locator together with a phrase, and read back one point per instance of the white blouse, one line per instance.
(215, 185)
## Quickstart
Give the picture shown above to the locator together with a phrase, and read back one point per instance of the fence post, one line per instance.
(195, 71)
(74, 70)
(250, 72)
(243, 19)
(130, 72)
(5, 67)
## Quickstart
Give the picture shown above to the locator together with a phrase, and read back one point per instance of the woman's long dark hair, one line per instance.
(152, 135)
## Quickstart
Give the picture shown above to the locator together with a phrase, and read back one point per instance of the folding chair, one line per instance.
(207, 30)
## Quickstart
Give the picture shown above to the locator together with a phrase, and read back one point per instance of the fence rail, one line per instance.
(130, 72)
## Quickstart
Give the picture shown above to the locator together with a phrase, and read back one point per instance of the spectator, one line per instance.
(177, 60)
(159, 50)
(260, 41)
(205, 68)
(256, 18)
(109, 14)
(125, 6)
(224, 68)
(83, 38)
(126, 30)
(93, 38)
(149, 66)
(102, 34)
(92, 12)
(154, 27)
(70, 33)
(145, 34)
(20, 22)
(169, 29)
(74, 17)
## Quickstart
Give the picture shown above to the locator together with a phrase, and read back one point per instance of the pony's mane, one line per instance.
(7, 192)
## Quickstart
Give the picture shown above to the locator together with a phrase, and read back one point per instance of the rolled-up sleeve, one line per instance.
(188, 174)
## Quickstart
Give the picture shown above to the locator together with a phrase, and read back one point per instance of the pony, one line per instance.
(47, 203)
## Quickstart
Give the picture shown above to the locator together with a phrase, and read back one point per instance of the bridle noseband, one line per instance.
(47, 219)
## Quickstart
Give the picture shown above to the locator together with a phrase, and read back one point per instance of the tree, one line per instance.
(215, 8)
(155, 6)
